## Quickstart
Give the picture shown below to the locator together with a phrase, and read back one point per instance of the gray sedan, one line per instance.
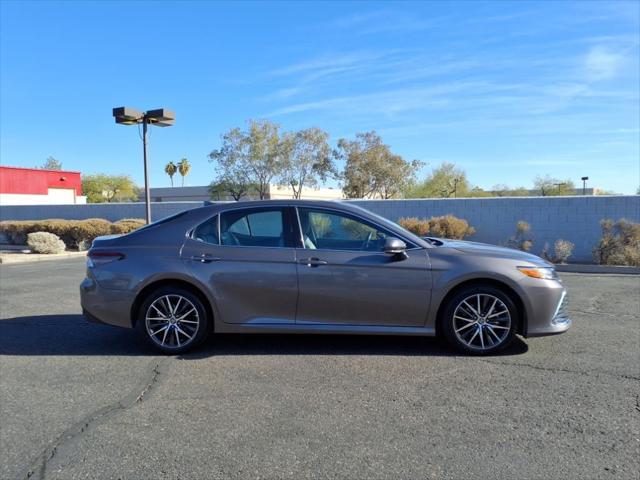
(314, 267)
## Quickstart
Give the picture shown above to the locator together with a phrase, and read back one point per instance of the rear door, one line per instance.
(345, 277)
(247, 259)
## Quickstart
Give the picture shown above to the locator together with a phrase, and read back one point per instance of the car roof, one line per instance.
(337, 204)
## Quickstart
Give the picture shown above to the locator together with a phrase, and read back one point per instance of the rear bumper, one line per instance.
(101, 305)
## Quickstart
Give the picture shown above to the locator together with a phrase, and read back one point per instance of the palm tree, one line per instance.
(170, 170)
(183, 168)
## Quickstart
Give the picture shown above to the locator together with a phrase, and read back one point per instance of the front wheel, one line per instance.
(480, 320)
(173, 320)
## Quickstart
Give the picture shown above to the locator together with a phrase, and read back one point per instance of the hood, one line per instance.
(492, 250)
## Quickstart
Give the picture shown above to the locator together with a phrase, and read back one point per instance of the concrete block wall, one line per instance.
(570, 218)
(108, 211)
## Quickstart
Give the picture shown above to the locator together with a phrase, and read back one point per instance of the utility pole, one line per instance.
(584, 185)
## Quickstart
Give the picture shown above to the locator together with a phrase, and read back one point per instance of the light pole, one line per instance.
(160, 117)
(584, 185)
(561, 184)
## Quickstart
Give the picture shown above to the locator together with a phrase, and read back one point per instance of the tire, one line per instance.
(489, 332)
(173, 320)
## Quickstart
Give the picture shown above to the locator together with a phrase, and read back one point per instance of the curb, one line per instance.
(599, 269)
(14, 258)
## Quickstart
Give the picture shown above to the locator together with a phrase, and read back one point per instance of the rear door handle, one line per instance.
(204, 258)
(312, 262)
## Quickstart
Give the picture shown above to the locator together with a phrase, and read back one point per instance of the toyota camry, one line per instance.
(296, 266)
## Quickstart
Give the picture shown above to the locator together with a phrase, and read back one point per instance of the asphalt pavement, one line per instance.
(87, 401)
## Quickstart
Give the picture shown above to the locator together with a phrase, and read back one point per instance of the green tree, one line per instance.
(371, 170)
(306, 159)
(184, 167)
(51, 164)
(549, 186)
(170, 169)
(100, 188)
(231, 166)
(446, 181)
(250, 157)
(221, 189)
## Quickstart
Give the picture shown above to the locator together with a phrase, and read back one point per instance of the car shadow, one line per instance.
(73, 335)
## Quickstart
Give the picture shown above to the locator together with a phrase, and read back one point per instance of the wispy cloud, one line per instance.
(603, 63)
(385, 21)
(327, 63)
(283, 94)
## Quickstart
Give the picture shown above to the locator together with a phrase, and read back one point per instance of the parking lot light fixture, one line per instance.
(160, 117)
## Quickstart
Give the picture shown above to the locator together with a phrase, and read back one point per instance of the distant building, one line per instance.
(201, 193)
(33, 186)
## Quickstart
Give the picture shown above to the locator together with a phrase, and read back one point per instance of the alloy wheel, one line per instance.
(172, 321)
(481, 322)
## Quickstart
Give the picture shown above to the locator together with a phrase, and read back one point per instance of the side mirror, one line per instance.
(395, 246)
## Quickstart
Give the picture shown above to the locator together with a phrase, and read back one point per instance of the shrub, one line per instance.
(127, 225)
(415, 225)
(562, 250)
(446, 226)
(620, 243)
(449, 226)
(522, 239)
(74, 233)
(45, 242)
(85, 231)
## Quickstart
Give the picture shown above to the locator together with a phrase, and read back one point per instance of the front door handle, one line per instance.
(204, 258)
(312, 262)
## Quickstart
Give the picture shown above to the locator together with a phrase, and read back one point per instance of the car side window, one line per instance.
(253, 228)
(335, 231)
(207, 232)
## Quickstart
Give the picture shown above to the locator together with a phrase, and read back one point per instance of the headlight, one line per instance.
(546, 273)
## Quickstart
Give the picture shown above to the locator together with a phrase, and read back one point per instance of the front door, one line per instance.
(247, 259)
(345, 277)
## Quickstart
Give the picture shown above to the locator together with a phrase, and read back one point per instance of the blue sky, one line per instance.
(506, 90)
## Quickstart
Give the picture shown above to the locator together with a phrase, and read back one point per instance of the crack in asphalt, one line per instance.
(37, 468)
(558, 369)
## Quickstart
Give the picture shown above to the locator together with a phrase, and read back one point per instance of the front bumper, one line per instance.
(558, 322)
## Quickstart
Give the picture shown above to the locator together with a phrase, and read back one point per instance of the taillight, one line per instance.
(95, 258)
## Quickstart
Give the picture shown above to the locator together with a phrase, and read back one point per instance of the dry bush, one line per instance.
(619, 244)
(45, 242)
(74, 233)
(17, 231)
(127, 225)
(415, 225)
(446, 226)
(522, 238)
(449, 226)
(562, 250)
(83, 232)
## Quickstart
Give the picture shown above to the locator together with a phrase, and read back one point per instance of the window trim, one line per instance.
(410, 245)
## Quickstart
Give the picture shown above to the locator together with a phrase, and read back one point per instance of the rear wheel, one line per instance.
(173, 320)
(480, 320)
